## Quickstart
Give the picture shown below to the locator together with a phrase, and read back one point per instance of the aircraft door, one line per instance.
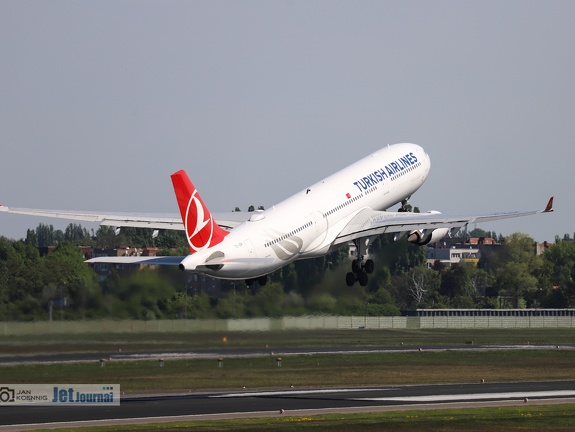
(251, 249)
(320, 225)
(319, 222)
(385, 186)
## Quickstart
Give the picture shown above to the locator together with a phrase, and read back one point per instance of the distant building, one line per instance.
(454, 255)
(474, 250)
(103, 270)
(541, 247)
(481, 241)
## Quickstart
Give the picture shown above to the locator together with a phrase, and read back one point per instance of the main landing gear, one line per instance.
(360, 267)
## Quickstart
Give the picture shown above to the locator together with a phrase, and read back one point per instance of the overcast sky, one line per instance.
(101, 101)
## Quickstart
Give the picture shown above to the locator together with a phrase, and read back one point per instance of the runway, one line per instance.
(154, 408)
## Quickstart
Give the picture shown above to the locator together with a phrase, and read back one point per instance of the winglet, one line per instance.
(201, 229)
(549, 207)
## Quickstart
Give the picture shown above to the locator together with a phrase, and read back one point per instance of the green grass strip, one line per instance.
(301, 371)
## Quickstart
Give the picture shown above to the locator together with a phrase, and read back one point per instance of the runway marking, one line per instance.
(473, 396)
(299, 392)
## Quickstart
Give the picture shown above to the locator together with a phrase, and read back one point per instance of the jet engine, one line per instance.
(423, 237)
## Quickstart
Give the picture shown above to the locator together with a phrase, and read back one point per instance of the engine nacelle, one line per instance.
(423, 237)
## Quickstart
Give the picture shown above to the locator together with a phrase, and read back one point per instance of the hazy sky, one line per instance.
(101, 101)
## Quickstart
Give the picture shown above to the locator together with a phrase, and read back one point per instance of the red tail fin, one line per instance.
(202, 231)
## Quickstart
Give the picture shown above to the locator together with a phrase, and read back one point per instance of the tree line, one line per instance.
(59, 285)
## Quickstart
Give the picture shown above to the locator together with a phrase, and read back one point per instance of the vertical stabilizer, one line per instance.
(201, 229)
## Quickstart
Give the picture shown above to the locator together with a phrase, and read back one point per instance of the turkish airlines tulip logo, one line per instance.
(199, 217)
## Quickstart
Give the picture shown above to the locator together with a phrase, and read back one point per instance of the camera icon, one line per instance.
(6, 394)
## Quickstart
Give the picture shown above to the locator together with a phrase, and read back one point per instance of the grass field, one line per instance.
(158, 342)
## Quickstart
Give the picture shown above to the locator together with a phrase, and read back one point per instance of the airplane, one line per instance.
(348, 206)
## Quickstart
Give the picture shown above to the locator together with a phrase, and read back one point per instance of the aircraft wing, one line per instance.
(227, 220)
(371, 222)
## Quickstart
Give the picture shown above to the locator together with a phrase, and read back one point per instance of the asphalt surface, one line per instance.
(138, 408)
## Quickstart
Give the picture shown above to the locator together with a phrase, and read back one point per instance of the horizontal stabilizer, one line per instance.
(161, 260)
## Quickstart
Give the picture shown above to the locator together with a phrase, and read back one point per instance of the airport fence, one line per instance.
(286, 323)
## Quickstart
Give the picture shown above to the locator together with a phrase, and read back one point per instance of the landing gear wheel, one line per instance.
(369, 266)
(262, 280)
(350, 279)
(362, 278)
(355, 266)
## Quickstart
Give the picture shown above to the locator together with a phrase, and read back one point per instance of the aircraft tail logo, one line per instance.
(201, 229)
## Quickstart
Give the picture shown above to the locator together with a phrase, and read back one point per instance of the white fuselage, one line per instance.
(307, 224)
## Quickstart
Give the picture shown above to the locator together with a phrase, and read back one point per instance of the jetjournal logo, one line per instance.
(59, 394)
